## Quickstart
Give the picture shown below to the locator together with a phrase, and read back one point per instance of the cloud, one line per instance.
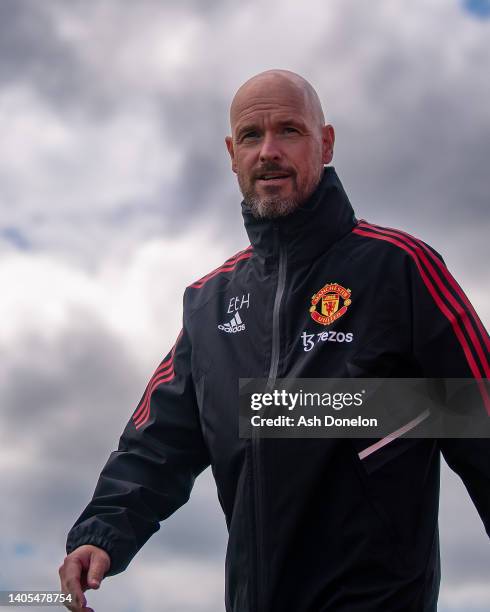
(32, 52)
(140, 144)
(76, 356)
(465, 552)
(79, 348)
(68, 167)
(164, 584)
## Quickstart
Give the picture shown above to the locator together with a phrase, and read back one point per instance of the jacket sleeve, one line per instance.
(161, 451)
(450, 341)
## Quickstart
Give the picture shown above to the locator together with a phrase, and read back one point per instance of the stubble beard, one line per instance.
(274, 206)
(270, 208)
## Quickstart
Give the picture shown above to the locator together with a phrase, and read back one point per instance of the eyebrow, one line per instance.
(253, 126)
(246, 128)
(290, 120)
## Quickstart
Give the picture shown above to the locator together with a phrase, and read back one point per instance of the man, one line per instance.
(314, 525)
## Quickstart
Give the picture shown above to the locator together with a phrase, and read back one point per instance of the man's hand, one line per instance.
(83, 569)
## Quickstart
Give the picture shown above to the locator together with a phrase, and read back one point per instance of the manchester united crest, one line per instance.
(330, 303)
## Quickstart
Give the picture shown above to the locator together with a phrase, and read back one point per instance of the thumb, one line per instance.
(99, 564)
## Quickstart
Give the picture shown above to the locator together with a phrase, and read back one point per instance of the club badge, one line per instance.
(330, 303)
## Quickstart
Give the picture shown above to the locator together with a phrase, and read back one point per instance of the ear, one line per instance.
(328, 140)
(229, 146)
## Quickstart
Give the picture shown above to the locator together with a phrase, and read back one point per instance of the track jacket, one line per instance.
(315, 525)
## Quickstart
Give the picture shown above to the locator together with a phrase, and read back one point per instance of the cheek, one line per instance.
(310, 163)
(243, 165)
(306, 169)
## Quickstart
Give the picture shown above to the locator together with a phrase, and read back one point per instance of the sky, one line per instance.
(116, 193)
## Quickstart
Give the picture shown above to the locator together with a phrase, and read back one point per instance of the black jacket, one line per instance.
(315, 525)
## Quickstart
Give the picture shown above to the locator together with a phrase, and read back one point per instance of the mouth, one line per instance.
(273, 178)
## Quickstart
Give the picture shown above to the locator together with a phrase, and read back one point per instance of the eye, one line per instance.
(290, 129)
(249, 135)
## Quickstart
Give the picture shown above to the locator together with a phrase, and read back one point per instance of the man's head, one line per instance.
(279, 142)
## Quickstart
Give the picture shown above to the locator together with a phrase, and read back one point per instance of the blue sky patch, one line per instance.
(16, 237)
(480, 8)
(23, 549)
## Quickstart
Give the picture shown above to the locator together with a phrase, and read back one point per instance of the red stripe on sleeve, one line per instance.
(228, 266)
(461, 312)
(442, 307)
(146, 414)
(450, 279)
(155, 379)
(164, 373)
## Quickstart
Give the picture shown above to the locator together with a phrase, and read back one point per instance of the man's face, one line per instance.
(278, 148)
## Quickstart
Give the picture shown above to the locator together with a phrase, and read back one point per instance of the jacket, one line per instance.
(315, 525)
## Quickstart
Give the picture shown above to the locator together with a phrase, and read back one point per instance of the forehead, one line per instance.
(274, 99)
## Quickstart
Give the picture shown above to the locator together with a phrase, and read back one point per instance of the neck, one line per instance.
(325, 217)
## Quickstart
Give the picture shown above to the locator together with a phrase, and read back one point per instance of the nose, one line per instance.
(270, 149)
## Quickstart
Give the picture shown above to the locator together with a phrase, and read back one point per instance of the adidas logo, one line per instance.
(234, 326)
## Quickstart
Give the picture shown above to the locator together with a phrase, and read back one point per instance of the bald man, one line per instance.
(315, 525)
(285, 108)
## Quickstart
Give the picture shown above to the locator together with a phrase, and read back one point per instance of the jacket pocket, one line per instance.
(401, 480)
(374, 453)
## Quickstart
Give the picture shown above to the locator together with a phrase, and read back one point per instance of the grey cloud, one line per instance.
(32, 52)
(465, 550)
(64, 402)
(412, 130)
(205, 188)
(197, 530)
(412, 147)
(35, 51)
(72, 398)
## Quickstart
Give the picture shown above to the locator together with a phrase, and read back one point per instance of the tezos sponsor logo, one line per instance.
(309, 340)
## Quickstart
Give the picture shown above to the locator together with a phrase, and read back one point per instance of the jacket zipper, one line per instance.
(261, 580)
(281, 284)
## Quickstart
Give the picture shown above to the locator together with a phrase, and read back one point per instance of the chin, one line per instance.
(272, 209)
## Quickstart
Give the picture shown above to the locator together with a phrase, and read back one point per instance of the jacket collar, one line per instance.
(310, 230)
